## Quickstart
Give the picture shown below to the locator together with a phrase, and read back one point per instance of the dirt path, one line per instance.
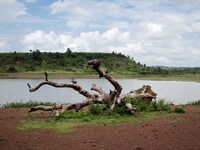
(176, 132)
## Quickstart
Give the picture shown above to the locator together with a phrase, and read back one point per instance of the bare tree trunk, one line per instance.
(102, 97)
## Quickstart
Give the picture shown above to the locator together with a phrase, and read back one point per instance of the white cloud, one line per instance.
(164, 51)
(31, 1)
(43, 41)
(58, 6)
(115, 35)
(163, 60)
(154, 33)
(75, 24)
(11, 9)
(154, 28)
(107, 41)
(4, 45)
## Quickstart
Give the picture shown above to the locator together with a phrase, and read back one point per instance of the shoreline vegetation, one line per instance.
(33, 64)
(34, 75)
(95, 114)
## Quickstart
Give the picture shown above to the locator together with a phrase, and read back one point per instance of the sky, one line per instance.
(153, 32)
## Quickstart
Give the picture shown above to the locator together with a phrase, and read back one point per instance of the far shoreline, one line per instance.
(33, 75)
(55, 76)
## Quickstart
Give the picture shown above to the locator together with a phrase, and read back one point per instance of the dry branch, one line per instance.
(102, 97)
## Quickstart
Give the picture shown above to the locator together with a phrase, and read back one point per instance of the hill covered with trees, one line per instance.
(76, 63)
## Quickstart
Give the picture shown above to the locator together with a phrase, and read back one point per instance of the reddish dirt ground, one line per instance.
(177, 132)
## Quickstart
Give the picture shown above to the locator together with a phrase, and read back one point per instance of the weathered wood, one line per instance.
(76, 87)
(104, 73)
(45, 108)
(102, 97)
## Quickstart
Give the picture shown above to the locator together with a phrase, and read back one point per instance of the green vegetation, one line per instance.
(179, 109)
(49, 124)
(97, 114)
(183, 77)
(154, 106)
(195, 103)
(76, 63)
(28, 104)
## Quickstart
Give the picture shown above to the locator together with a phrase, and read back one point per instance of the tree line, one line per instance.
(75, 63)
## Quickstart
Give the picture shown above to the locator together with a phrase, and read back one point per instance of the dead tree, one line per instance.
(101, 98)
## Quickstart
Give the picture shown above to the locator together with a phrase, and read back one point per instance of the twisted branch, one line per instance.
(145, 92)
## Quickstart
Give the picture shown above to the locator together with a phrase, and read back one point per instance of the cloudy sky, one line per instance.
(153, 32)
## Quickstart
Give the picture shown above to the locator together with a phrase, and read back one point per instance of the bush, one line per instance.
(179, 109)
(138, 103)
(195, 103)
(142, 105)
(11, 69)
(70, 114)
(160, 105)
(95, 109)
(120, 110)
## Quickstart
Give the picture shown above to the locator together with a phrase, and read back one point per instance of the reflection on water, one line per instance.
(12, 90)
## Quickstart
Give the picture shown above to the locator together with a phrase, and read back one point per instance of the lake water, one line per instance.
(15, 90)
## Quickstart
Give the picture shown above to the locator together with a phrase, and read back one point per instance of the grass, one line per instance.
(96, 114)
(28, 104)
(64, 74)
(48, 124)
(179, 109)
(183, 77)
(72, 120)
(195, 103)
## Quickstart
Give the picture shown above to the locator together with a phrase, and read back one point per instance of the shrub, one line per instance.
(179, 109)
(142, 105)
(138, 103)
(70, 114)
(11, 69)
(95, 109)
(195, 103)
(160, 105)
(120, 110)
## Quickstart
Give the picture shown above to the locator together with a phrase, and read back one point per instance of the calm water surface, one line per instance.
(14, 90)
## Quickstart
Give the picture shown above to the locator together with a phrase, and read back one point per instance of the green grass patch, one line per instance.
(195, 103)
(73, 119)
(182, 77)
(48, 124)
(28, 104)
(97, 114)
(179, 109)
(157, 105)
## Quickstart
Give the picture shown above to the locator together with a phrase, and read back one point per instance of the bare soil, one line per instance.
(176, 132)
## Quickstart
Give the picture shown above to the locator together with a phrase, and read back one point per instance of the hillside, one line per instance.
(76, 63)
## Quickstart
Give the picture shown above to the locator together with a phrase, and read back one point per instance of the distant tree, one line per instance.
(69, 52)
(11, 69)
(37, 55)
